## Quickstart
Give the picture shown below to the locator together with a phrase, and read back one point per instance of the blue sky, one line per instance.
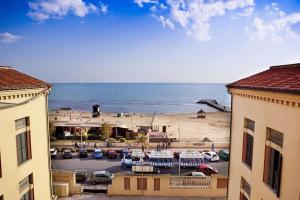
(148, 40)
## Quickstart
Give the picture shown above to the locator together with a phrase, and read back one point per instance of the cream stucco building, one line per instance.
(24, 144)
(265, 135)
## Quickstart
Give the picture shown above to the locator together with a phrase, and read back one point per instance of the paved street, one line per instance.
(114, 165)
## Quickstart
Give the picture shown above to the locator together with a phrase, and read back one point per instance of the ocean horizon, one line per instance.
(131, 97)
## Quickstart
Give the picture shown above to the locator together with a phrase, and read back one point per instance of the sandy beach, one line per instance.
(215, 126)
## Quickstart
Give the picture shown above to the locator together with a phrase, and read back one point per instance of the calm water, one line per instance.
(137, 97)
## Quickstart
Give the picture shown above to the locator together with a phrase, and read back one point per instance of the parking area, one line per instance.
(114, 165)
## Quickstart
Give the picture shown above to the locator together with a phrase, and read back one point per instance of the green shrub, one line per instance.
(122, 140)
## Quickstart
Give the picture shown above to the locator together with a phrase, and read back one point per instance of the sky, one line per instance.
(199, 41)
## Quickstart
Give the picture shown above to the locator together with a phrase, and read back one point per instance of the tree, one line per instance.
(106, 130)
(142, 139)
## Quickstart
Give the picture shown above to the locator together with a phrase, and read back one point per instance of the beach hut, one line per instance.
(201, 114)
(96, 110)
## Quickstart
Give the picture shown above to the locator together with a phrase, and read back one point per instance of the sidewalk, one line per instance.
(105, 197)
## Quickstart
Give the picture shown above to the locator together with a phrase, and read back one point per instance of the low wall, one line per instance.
(167, 185)
(61, 177)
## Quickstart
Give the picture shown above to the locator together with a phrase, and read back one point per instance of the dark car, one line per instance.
(224, 154)
(124, 152)
(67, 154)
(207, 169)
(111, 154)
(83, 153)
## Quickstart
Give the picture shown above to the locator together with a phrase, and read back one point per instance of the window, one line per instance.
(275, 136)
(249, 124)
(126, 183)
(23, 147)
(245, 186)
(156, 184)
(22, 123)
(243, 197)
(247, 149)
(272, 169)
(27, 184)
(141, 183)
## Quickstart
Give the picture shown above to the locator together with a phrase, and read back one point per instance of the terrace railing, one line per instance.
(190, 182)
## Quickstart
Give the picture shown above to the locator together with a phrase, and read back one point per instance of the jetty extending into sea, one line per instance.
(215, 104)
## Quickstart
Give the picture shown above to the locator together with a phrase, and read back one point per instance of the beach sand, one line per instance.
(215, 126)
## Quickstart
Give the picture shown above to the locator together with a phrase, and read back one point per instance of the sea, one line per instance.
(137, 97)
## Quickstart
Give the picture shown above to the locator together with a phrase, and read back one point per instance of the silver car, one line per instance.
(101, 177)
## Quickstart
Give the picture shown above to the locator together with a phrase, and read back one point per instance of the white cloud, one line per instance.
(8, 38)
(141, 3)
(194, 16)
(41, 10)
(104, 8)
(279, 28)
(166, 22)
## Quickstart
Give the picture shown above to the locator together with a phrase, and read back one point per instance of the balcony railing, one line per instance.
(190, 182)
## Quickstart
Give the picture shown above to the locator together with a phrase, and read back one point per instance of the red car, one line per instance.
(111, 154)
(207, 169)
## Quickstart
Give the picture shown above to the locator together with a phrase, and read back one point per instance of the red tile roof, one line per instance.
(281, 78)
(11, 79)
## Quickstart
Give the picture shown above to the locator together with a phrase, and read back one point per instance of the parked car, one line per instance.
(80, 176)
(53, 152)
(111, 154)
(101, 177)
(126, 161)
(124, 152)
(224, 154)
(211, 156)
(67, 154)
(83, 153)
(97, 154)
(207, 169)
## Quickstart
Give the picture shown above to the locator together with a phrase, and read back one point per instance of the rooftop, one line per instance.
(281, 78)
(10, 79)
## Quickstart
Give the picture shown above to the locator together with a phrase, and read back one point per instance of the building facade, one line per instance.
(24, 143)
(265, 135)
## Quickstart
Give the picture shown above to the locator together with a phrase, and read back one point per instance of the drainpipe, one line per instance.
(230, 142)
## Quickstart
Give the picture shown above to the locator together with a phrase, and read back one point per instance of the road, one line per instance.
(114, 165)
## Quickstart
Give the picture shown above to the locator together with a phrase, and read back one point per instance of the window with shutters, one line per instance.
(27, 185)
(247, 149)
(243, 197)
(23, 142)
(245, 187)
(156, 184)
(274, 136)
(249, 124)
(141, 183)
(127, 183)
(272, 169)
